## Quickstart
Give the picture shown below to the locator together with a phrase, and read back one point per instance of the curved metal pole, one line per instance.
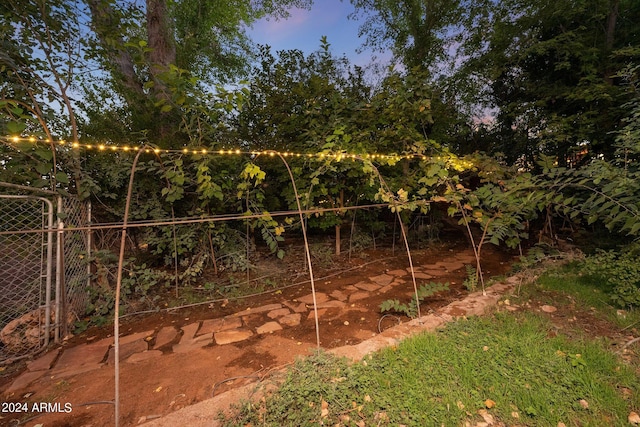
(306, 248)
(404, 236)
(116, 309)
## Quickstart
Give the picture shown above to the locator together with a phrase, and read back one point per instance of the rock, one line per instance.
(278, 313)
(228, 337)
(548, 309)
(25, 332)
(268, 328)
(320, 297)
(211, 326)
(290, 319)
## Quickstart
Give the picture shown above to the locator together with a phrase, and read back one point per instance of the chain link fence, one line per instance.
(44, 273)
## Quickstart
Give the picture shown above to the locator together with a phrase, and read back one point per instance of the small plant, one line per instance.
(411, 309)
(471, 282)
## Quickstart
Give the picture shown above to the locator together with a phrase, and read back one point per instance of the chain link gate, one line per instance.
(44, 273)
(26, 274)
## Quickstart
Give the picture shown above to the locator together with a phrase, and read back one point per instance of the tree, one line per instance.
(552, 69)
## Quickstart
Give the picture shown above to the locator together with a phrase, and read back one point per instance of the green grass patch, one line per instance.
(570, 284)
(445, 378)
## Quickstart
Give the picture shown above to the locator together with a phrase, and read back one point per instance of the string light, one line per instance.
(204, 151)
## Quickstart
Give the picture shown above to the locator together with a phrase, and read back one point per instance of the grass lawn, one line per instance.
(518, 368)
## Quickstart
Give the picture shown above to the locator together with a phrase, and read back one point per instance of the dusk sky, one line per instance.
(304, 28)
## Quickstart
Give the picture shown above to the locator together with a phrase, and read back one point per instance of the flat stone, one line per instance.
(211, 326)
(397, 273)
(385, 289)
(235, 335)
(548, 309)
(435, 273)
(145, 355)
(127, 350)
(332, 304)
(189, 331)
(82, 357)
(321, 312)
(292, 319)
(296, 308)
(45, 362)
(126, 339)
(308, 299)
(165, 336)
(278, 313)
(424, 276)
(365, 286)
(339, 295)
(381, 280)
(358, 296)
(261, 309)
(185, 346)
(24, 379)
(351, 289)
(268, 328)
(450, 265)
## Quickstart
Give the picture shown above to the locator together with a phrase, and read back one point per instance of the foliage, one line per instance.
(621, 271)
(411, 310)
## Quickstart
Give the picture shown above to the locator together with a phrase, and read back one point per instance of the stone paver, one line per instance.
(211, 326)
(165, 336)
(296, 308)
(358, 296)
(278, 313)
(382, 280)
(235, 335)
(268, 328)
(290, 320)
(45, 362)
(145, 355)
(187, 345)
(127, 350)
(332, 304)
(126, 339)
(369, 287)
(23, 380)
(397, 273)
(82, 358)
(189, 331)
(450, 265)
(321, 312)
(256, 310)
(423, 276)
(339, 295)
(308, 299)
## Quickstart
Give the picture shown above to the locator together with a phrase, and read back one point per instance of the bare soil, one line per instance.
(175, 380)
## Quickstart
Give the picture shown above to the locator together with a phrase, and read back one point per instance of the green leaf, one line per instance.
(43, 168)
(16, 127)
(62, 178)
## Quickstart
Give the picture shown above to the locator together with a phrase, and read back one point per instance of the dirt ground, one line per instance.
(176, 380)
